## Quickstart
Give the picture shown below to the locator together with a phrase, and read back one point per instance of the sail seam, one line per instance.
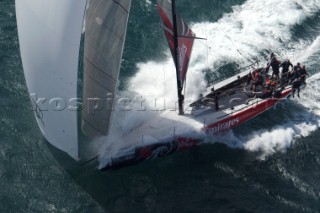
(100, 70)
(121, 6)
(92, 126)
(98, 82)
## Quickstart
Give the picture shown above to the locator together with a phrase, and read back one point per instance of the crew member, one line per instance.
(275, 63)
(296, 86)
(302, 74)
(215, 96)
(257, 79)
(294, 73)
(268, 89)
(249, 79)
(285, 68)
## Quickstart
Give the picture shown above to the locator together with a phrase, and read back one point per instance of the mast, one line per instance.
(176, 57)
(180, 39)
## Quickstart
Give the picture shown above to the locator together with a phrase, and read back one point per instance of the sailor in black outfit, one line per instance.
(302, 74)
(294, 73)
(275, 65)
(285, 68)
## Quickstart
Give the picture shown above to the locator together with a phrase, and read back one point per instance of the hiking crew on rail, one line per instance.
(265, 87)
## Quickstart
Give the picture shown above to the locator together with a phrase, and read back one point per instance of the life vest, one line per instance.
(268, 82)
(256, 75)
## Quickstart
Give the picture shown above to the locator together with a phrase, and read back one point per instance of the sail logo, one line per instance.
(99, 21)
(222, 126)
(182, 55)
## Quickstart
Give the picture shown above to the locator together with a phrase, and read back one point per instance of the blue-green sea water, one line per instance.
(269, 164)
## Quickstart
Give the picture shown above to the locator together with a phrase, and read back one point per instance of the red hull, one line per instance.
(240, 117)
(139, 154)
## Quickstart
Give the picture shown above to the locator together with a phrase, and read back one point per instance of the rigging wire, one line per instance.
(205, 28)
(164, 78)
(184, 88)
(256, 60)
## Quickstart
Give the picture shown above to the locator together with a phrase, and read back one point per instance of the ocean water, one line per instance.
(269, 164)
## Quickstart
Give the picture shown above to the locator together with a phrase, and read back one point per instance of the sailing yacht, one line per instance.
(50, 36)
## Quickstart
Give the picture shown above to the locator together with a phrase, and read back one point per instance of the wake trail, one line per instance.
(255, 27)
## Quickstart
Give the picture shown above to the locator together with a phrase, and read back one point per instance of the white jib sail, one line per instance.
(49, 37)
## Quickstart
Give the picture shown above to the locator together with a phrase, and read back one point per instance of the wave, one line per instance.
(253, 29)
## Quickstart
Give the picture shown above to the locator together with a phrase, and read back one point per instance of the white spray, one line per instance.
(255, 26)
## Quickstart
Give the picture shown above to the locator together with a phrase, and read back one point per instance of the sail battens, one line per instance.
(124, 7)
(167, 29)
(101, 70)
(91, 128)
(106, 23)
(104, 83)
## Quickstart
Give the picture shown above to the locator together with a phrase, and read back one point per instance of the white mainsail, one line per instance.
(49, 37)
